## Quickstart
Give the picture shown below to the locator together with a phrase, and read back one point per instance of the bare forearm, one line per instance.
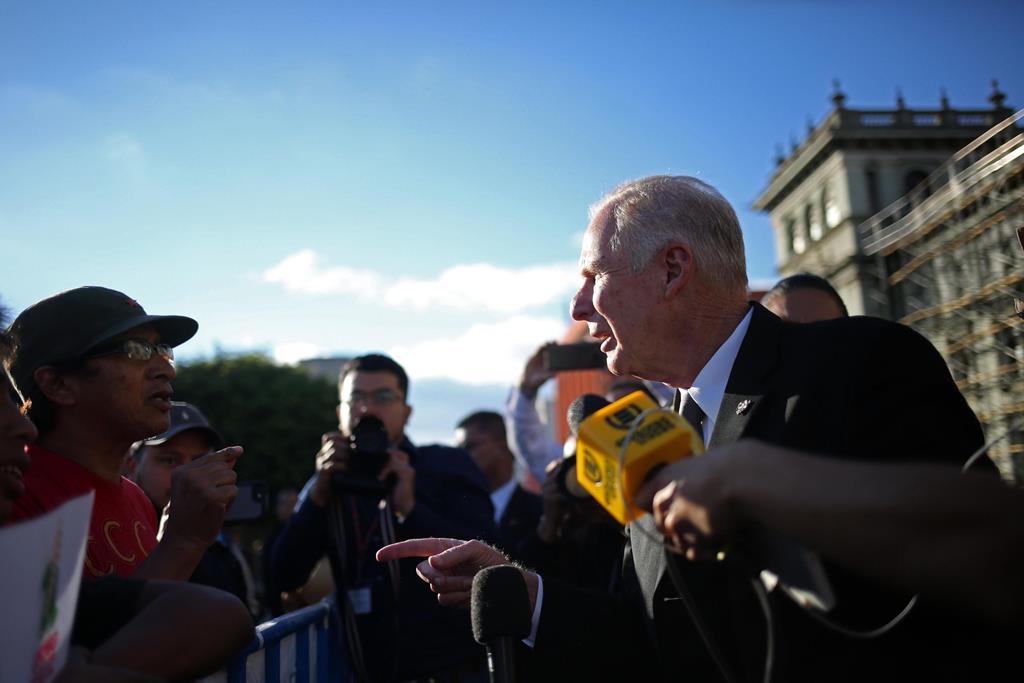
(161, 639)
(925, 528)
(172, 560)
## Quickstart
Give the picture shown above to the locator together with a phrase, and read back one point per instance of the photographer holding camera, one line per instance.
(373, 486)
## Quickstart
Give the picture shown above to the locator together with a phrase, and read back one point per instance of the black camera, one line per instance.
(368, 454)
(568, 485)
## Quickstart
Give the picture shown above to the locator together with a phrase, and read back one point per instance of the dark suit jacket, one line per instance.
(519, 522)
(851, 388)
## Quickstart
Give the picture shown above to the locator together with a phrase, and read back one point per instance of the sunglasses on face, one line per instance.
(137, 349)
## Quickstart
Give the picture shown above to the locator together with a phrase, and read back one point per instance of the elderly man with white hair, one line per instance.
(664, 288)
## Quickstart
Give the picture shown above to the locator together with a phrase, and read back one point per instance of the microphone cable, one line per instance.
(905, 612)
(673, 569)
(756, 584)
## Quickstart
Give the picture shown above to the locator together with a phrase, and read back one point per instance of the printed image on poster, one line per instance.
(40, 574)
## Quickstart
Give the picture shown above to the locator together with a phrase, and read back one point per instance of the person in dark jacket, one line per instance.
(516, 510)
(395, 630)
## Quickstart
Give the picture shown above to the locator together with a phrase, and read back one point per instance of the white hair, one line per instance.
(652, 212)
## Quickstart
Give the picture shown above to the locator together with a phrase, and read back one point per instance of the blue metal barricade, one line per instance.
(299, 647)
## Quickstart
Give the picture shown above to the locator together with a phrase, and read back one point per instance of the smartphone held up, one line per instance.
(579, 356)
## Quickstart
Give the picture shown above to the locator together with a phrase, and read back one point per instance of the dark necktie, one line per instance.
(693, 414)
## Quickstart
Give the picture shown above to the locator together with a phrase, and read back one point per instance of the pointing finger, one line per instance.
(416, 547)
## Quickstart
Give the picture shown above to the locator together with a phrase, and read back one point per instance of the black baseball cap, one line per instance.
(66, 326)
(185, 416)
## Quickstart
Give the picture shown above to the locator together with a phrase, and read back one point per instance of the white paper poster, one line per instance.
(40, 572)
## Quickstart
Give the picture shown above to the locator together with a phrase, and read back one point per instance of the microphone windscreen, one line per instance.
(582, 408)
(500, 604)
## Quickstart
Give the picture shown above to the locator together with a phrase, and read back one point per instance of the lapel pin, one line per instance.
(743, 406)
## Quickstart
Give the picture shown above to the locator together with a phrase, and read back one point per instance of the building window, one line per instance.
(813, 224)
(795, 237)
(874, 200)
(830, 209)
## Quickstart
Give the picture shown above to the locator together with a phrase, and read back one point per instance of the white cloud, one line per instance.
(484, 354)
(292, 352)
(464, 287)
(482, 286)
(301, 272)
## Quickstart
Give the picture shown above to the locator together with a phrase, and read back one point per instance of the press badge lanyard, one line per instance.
(362, 541)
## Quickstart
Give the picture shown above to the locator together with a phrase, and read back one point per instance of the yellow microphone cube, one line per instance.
(660, 438)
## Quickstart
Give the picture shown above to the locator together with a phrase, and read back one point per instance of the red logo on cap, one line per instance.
(132, 302)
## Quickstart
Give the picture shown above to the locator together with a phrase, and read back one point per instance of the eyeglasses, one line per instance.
(137, 349)
(381, 397)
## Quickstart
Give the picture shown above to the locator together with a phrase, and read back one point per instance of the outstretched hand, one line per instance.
(450, 565)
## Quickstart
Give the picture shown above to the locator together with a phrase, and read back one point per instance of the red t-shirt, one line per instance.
(122, 530)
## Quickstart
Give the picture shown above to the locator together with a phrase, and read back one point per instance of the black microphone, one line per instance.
(579, 410)
(583, 407)
(501, 617)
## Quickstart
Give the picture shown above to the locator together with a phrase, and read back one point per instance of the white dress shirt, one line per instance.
(501, 496)
(708, 390)
(708, 387)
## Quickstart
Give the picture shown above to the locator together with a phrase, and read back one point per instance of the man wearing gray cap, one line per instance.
(153, 460)
(95, 371)
(152, 466)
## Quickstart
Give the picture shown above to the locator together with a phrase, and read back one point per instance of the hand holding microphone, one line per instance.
(693, 504)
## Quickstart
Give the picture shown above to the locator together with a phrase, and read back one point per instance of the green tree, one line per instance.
(277, 413)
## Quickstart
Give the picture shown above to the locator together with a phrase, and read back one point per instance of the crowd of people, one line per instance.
(835, 450)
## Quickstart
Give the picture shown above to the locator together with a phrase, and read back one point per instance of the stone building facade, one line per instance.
(914, 216)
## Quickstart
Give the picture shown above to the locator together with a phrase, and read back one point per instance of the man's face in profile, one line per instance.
(613, 301)
(132, 396)
(377, 394)
(16, 431)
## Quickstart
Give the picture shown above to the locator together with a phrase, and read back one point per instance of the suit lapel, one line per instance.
(648, 559)
(750, 380)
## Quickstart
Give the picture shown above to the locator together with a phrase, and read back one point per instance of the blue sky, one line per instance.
(413, 177)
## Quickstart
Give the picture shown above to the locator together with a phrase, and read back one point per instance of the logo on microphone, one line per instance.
(621, 419)
(591, 468)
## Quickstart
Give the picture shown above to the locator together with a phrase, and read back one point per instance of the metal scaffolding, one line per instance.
(948, 261)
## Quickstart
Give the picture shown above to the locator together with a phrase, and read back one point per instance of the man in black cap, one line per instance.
(95, 371)
(152, 467)
(125, 630)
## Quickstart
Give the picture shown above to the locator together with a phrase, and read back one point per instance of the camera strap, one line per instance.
(362, 540)
(387, 530)
(339, 562)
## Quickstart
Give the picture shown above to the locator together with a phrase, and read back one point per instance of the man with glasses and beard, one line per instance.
(373, 486)
(95, 371)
